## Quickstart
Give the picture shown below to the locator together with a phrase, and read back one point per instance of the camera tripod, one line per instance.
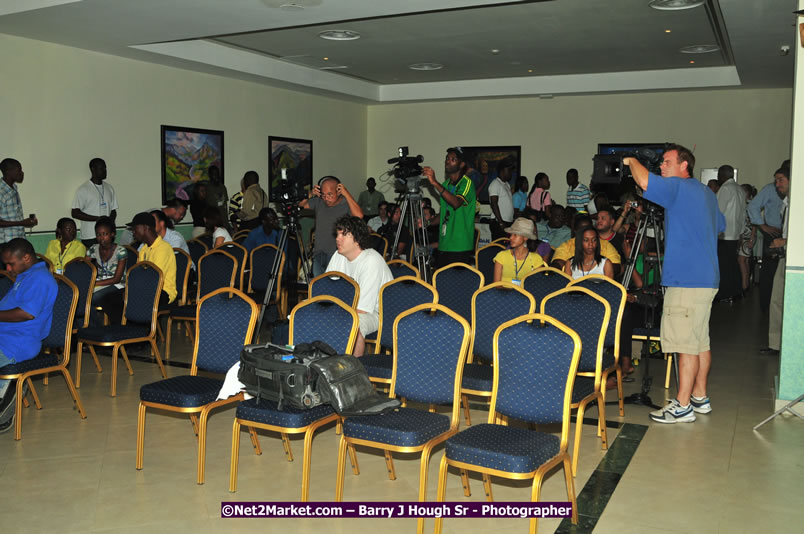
(651, 296)
(291, 226)
(419, 247)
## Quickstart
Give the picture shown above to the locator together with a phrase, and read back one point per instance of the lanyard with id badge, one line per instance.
(102, 204)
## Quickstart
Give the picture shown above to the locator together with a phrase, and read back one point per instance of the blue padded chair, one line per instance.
(183, 264)
(264, 413)
(240, 236)
(59, 338)
(261, 262)
(324, 318)
(615, 295)
(216, 269)
(430, 347)
(226, 320)
(239, 253)
(336, 284)
(46, 260)
(492, 306)
(380, 244)
(484, 260)
(206, 239)
(82, 272)
(6, 283)
(588, 315)
(132, 256)
(456, 283)
(401, 268)
(396, 296)
(143, 286)
(544, 281)
(197, 249)
(535, 361)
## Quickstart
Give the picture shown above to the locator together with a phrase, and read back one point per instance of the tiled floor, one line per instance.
(712, 476)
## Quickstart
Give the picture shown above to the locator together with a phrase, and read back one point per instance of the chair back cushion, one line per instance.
(321, 320)
(262, 261)
(333, 284)
(182, 262)
(484, 260)
(197, 249)
(82, 275)
(216, 269)
(223, 326)
(400, 269)
(585, 314)
(493, 307)
(614, 295)
(396, 297)
(542, 283)
(143, 285)
(456, 285)
(63, 314)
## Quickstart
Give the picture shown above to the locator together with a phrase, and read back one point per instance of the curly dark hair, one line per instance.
(355, 226)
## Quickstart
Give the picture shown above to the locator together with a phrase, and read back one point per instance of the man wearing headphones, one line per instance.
(329, 200)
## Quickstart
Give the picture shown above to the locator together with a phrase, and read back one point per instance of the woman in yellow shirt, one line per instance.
(514, 264)
(65, 247)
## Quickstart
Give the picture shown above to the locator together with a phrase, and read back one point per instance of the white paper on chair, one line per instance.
(232, 385)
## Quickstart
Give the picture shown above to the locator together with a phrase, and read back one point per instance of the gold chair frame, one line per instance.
(42, 257)
(406, 264)
(385, 242)
(241, 266)
(336, 274)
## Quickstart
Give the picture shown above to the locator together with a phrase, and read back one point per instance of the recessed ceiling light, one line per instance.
(495, 51)
(326, 59)
(426, 66)
(339, 35)
(530, 70)
(692, 61)
(675, 5)
(667, 31)
(699, 49)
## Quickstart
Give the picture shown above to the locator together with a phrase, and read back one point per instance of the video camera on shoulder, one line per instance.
(609, 168)
(407, 171)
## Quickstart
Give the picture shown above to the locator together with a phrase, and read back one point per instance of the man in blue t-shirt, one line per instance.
(25, 315)
(265, 234)
(691, 275)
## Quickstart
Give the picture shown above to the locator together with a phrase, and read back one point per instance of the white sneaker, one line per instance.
(700, 404)
(674, 413)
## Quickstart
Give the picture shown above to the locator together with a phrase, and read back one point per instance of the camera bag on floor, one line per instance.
(309, 375)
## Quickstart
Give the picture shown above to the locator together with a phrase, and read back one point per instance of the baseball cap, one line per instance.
(143, 218)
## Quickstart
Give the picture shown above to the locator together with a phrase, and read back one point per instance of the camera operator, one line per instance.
(456, 240)
(329, 200)
(690, 275)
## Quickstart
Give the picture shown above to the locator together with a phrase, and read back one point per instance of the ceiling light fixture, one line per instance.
(339, 35)
(699, 49)
(675, 5)
(692, 61)
(426, 66)
(667, 31)
(290, 6)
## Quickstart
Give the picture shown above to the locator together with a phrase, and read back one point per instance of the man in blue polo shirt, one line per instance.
(25, 315)
(691, 275)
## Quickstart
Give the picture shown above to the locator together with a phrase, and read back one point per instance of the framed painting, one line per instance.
(187, 155)
(482, 166)
(295, 155)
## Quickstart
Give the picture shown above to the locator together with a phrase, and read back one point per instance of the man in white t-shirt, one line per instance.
(356, 259)
(501, 199)
(93, 200)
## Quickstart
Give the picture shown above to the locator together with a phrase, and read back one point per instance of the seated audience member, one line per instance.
(25, 315)
(110, 261)
(155, 250)
(214, 226)
(65, 247)
(176, 210)
(198, 205)
(569, 218)
(431, 220)
(587, 259)
(518, 261)
(388, 231)
(171, 237)
(553, 230)
(355, 258)
(568, 248)
(267, 233)
(375, 223)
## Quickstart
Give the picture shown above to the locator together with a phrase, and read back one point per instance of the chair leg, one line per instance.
(255, 441)
(389, 465)
(140, 434)
(467, 490)
(465, 402)
(601, 424)
(578, 428)
(487, 487)
(194, 421)
(341, 469)
(155, 352)
(73, 392)
(621, 396)
(125, 359)
(570, 489)
(168, 332)
(95, 358)
(78, 352)
(113, 391)
(32, 389)
(353, 458)
(235, 456)
(18, 411)
(534, 497)
(307, 459)
(202, 442)
(286, 446)
(441, 493)
(669, 358)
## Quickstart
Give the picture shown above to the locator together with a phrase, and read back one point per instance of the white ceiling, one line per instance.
(542, 47)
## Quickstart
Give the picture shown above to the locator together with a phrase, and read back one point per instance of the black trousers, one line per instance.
(445, 258)
(498, 230)
(730, 279)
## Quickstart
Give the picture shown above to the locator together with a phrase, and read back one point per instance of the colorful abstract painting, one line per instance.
(295, 155)
(187, 154)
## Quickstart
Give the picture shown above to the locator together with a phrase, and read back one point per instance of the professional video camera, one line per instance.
(291, 192)
(407, 171)
(609, 168)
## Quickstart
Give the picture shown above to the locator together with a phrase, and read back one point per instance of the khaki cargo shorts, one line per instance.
(685, 319)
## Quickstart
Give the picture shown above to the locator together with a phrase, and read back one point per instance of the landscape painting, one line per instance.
(295, 155)
(187, 154)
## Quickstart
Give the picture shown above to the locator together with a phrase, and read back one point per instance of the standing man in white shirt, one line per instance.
(731, 202)
(501, 199)
(93, 200)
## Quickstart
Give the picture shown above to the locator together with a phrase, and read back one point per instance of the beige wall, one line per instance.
(749, 129)
(61, 106)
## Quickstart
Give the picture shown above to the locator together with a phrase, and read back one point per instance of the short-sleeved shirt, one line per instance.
(107, 269)
(457, 229)
(520, 200)
(692, 222)
(513, 269)
(74, 249)
(567, 251)
(578, 197)
(10, 210)
(325, 217)
(370, 272)
(554, 236)
(34, 291)
(258, 237)
(539, 199)
(505, 200)
(96, 200)
(369, 202)
(160, 253)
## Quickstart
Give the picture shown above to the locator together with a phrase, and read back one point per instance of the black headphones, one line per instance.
(325, 178)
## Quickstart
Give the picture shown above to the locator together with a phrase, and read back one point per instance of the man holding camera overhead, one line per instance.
(691, 275)
(456, 242)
